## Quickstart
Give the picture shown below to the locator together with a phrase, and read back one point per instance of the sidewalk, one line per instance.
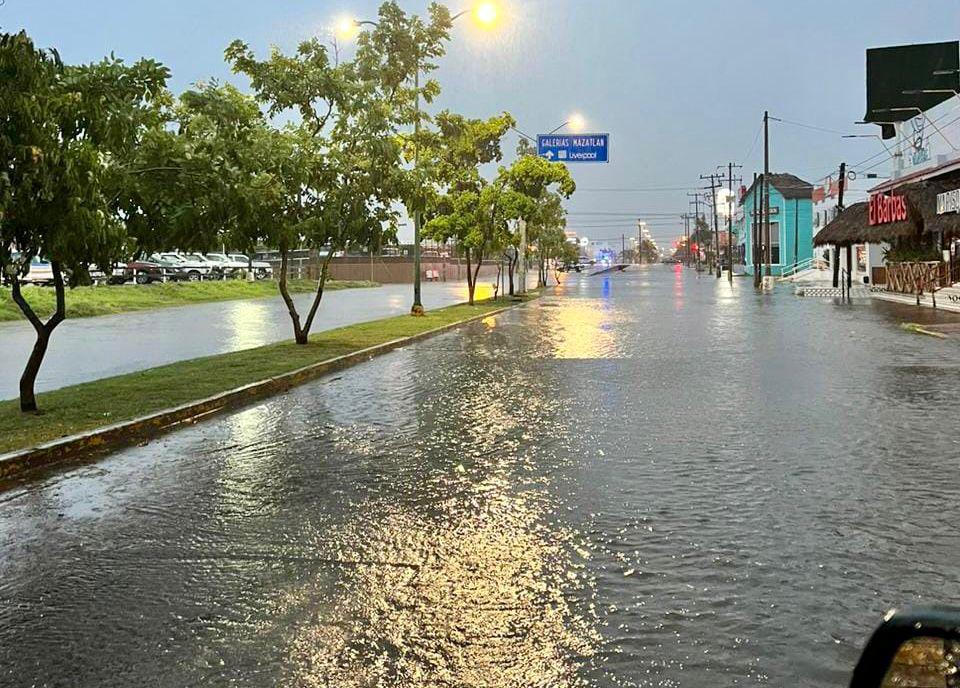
(944, 300)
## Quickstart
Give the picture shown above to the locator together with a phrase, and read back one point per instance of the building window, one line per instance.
(774, 243)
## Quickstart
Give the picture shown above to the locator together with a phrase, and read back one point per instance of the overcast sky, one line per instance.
(680, 86)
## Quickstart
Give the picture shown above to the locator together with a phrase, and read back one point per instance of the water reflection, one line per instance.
(242, 321)
(466, 597)
(582, 329)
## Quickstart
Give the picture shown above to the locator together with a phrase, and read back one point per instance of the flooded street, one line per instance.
(117, 344)
(645, 479)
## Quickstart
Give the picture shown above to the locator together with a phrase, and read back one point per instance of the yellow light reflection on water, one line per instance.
(469, 579)
(579, 328)
(476, 595)
(244, 318)
(483, 291)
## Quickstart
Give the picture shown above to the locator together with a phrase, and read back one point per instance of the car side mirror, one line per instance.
(912, 647)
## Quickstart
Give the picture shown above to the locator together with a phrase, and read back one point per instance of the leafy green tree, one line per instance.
(347, 141)
(702, 237)
(460, 204)
(224, 176)
(548, 234)
(67, 137)
(536, 180)
(649, 252)
(545, 230)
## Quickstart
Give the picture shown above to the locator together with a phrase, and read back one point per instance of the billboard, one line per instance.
(900, 80)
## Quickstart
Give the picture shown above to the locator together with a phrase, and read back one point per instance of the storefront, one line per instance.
(918, 222)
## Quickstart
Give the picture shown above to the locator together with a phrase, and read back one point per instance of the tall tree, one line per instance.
(534, 178)
(545, 230)
(223, 176)
(451, 158)
(350, 115)
(67, 136)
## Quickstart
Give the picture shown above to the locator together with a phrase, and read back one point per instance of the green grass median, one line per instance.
(90, 405)
(85, 302)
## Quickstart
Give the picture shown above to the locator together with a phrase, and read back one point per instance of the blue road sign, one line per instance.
(574, 147)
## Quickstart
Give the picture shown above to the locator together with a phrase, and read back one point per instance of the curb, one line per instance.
(15, 464)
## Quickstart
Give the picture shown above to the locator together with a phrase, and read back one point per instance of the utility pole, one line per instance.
(686, 234)
(696, 224)
(730, 167)
(640, 224)
(840, 187)
(714, 185)
(623, 247)
(766, 192)
(836, 249)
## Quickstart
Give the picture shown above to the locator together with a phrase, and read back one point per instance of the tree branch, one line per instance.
(25, 308)
(324, 271)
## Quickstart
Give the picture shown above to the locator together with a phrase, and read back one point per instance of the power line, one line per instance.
(634, 214)
(638, 189)
(756, 138)
(809, 126)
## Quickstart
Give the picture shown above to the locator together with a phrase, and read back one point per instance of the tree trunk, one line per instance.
(510, 266)
(298, 334)
(28, 398)
(471, 282)
(324, 271)
(476, 270)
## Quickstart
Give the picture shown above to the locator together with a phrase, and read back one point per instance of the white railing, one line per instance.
(807, 264)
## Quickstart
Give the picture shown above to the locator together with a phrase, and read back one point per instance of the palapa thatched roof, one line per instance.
(852, 225)
(845, 228)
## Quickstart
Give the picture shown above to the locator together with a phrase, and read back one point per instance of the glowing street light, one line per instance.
(577, 123)
(346, 28)
(486, 13)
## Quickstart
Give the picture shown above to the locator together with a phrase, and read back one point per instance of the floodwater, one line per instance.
(85, 349)
(645, 479)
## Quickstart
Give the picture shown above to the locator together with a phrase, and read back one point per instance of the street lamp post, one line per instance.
(486, 14)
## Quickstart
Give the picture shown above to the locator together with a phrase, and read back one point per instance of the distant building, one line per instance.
(791, 223)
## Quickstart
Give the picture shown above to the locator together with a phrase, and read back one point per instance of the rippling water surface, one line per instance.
(647, 479)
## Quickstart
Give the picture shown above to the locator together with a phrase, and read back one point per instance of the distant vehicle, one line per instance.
(261, 268)
(216, 270)
(194, 270)
(40, 273)
(230, 267)
(141, 272)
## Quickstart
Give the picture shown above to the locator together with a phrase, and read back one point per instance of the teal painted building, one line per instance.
(791, 223)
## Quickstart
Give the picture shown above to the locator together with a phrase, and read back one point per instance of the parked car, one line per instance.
(194, 270)
(261, 268)
(214, 269)
(172, 271)
(142, 272)
(230, 266)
